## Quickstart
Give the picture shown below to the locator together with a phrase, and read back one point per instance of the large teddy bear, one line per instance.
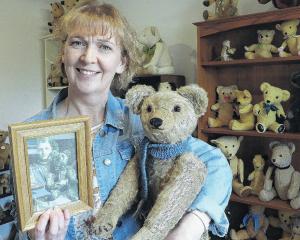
(255, 223)
(291, 39)
(286, 179)
(229, 145)
(264, 47)
(4, 150)
(245, 110)
(224, 106)
(268, 110)
(155, 53)
(170, 176)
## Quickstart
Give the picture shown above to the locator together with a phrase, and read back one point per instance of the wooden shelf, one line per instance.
(246, 62)
(253, 133)
(274, 204)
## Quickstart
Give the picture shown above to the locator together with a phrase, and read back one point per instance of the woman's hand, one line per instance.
(52, 225)
(189, 228)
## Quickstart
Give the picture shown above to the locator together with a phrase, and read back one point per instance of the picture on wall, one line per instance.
(51, 167)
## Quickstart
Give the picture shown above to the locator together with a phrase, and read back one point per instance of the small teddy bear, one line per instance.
(57, 11)
(257, 176)
(245, 110)
(229, 145)
(4, 184)
(268, 110)
(4, 150)
(169, 172)
(291, 39)
(223, 8)
(256, 224)
(156, 56)
(227, 51)
(286, 180)
(264, 47)
(224, 106)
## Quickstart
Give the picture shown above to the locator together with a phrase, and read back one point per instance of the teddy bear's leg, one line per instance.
(284, 54)
(178, 192)
(240, 126)
(214, 122)
(260, 127)
(249, 55)
(119, 202)
(277, 127)
(294, 185)
(239, 235)
(240, 189)
(268, 193)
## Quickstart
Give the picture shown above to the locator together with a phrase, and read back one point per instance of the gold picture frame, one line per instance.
(51, 166)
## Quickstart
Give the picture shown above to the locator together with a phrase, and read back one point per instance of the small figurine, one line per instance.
(227, 51)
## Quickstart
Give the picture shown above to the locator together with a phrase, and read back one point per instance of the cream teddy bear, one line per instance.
(257, 176)
(286, 180)
(270, 108)
(256, 224)
(171, 176)
(229, 145)
(264, 47)
(224, 106)
(156, 56)
(245, 110)
(291, 39)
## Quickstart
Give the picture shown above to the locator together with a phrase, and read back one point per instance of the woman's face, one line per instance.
(44, 149)
(91, 62)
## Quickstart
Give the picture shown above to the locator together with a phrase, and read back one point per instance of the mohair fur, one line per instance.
(173, 183)
(268, 120)
(286, 179)
(224, 106)
(4, 150)
(245, 109)
(229, 145)
(257, 176)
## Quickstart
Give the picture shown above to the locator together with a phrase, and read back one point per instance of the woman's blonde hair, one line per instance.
(92, 17)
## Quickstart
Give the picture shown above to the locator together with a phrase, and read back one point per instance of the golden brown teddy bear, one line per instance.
(170, 175)
(257, 176)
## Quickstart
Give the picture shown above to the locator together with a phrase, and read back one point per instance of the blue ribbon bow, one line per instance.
(255, 218)
(270, 107)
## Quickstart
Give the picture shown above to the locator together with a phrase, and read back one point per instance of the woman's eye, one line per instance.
(77, 44)
(105, 48)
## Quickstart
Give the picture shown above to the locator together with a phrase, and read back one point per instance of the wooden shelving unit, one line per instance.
(246, 74)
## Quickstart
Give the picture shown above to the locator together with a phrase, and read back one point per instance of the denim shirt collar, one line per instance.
(114, 114)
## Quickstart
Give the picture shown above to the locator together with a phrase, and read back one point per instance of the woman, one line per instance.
(98, 48)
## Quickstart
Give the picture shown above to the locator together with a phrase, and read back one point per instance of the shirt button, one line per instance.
(107, 162)
(102, 133)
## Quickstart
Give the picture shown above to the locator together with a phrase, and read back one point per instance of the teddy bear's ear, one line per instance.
(278, 27)
(240, 139)
(291, 147)
(135, 96)
(219, 89)
(273, 144)
(247, 93)
(214, 141)
(197, 96)
(264, 86)
(285, 95)
(296, 21)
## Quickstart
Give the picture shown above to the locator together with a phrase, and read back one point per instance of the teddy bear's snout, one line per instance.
(156, 122)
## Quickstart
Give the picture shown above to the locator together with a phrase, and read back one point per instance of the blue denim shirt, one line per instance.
(115, 141)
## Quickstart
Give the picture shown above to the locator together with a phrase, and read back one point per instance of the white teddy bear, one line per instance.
(156, 56)
(286, 179)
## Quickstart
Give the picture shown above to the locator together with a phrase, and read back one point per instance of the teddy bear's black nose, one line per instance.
(273, 160)
(156, 122)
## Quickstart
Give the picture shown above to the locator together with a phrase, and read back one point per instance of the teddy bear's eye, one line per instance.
(266, 92)
(277, 97)
(290, 27)
(225, 146)
(280, 155)
(223, 93)
(245, 97)
(267, 35)
(149, 108)
(233, 146)
(176, 108)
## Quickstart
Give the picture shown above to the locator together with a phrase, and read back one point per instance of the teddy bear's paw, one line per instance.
(292, 193)
(265, 195)
(295, 203)
(260, 128)
(281, 128)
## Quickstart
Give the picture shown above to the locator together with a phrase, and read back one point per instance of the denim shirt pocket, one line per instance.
(126, 149)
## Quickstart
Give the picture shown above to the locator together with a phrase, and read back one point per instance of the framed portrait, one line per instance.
(51, 167)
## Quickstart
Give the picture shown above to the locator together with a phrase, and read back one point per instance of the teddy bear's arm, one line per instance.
(294, 185)
(119, 201)
(251, 176)
(273, 49)
(251, 48)
(159, 48)
(241, 170)
(181, 188)
(280, 112)
(283, 46)
(257, 108)
(246, 109)
(215, 107)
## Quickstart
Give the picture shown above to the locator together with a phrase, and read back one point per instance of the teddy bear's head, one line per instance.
(295, 223)
(168, 116)
(265, 36)
(3, 136)
(282, 153)
(258, 162)
(243, 98)
(229, 145)
(285, 218)
(57, 10)
(149, 36)
(288, 28)
(69, 4)
(226, 94)
(273, 94)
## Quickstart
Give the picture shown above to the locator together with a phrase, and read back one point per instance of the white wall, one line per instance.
(24, 22)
